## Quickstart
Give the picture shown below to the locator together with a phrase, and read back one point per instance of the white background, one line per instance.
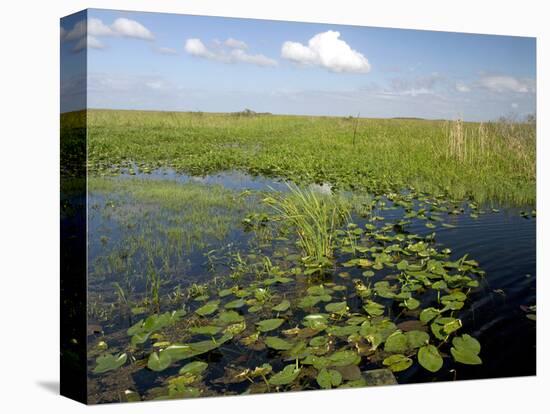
(29, 206)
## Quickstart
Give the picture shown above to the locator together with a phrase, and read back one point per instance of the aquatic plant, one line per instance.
(315, 219)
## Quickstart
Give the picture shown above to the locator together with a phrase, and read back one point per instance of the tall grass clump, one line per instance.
(315, 218)
(501, 154)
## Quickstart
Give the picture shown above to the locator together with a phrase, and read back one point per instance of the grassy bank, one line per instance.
(487, 162)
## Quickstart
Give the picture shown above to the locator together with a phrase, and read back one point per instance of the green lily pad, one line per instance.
(344, 358)
(269, 324)
(396, 343)
(208, 309)
(286, 376)
(225, 292)
(205, 330)
(195, 368)
(228, 317)
(411, 303)
(318, 341)
(142, 330)
(416, 339)
(235, 328)
(319, 291)
(328, 378)
(466, 350)
(429, 358)
(428, 314)
(309, 302)
(316, 321)
(282, 307)
(178, 352)
(397, 362)
(337, 307)
(465, 357)
(109, 362)
(159, 361)
(278, 343)
(343, 331)
(374, 308)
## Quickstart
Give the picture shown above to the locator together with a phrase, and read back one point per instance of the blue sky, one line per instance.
(178, 62)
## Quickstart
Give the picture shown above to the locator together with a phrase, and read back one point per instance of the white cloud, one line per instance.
(260, 60)
(502, 83)
(514, 105)
(326, 50)
(90, 42)
(62, 33)
(88, 34)
(131, 28)
(77, 32)
(97, 28)
(235, 44)
(197, 48)
(461, 87)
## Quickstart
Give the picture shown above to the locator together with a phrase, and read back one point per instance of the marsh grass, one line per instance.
(315, 218)
(486, 162)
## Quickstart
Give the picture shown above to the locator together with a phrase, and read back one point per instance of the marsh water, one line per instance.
(128, 237)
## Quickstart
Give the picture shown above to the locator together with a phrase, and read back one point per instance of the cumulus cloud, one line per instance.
(235, 44)
(89, 41)
(97, 28)
(131, 28)
(77, 32)
(503, 83)
(197, 48)
(88, 34)
(326, 50)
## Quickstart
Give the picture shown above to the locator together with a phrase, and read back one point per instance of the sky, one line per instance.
(157, 61)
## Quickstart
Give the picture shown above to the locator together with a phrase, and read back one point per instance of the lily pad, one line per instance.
(228, 317)
(397, 362)
(195, 368)
(396, 343)
(269, 324)
(159, 361)
(416, 339)
(328, 378)
(373, 308)
(428, 314)
(337, 307)
(109, 362)
(466, 350)
(286, 376)
(278, 343)
(205, 330)
(429, 358)
(344, 358)
(282, 307)
(208, 309)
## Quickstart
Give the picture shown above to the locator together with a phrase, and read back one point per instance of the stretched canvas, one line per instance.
(253, 206)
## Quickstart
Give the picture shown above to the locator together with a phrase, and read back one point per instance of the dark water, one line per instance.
(503, 242)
